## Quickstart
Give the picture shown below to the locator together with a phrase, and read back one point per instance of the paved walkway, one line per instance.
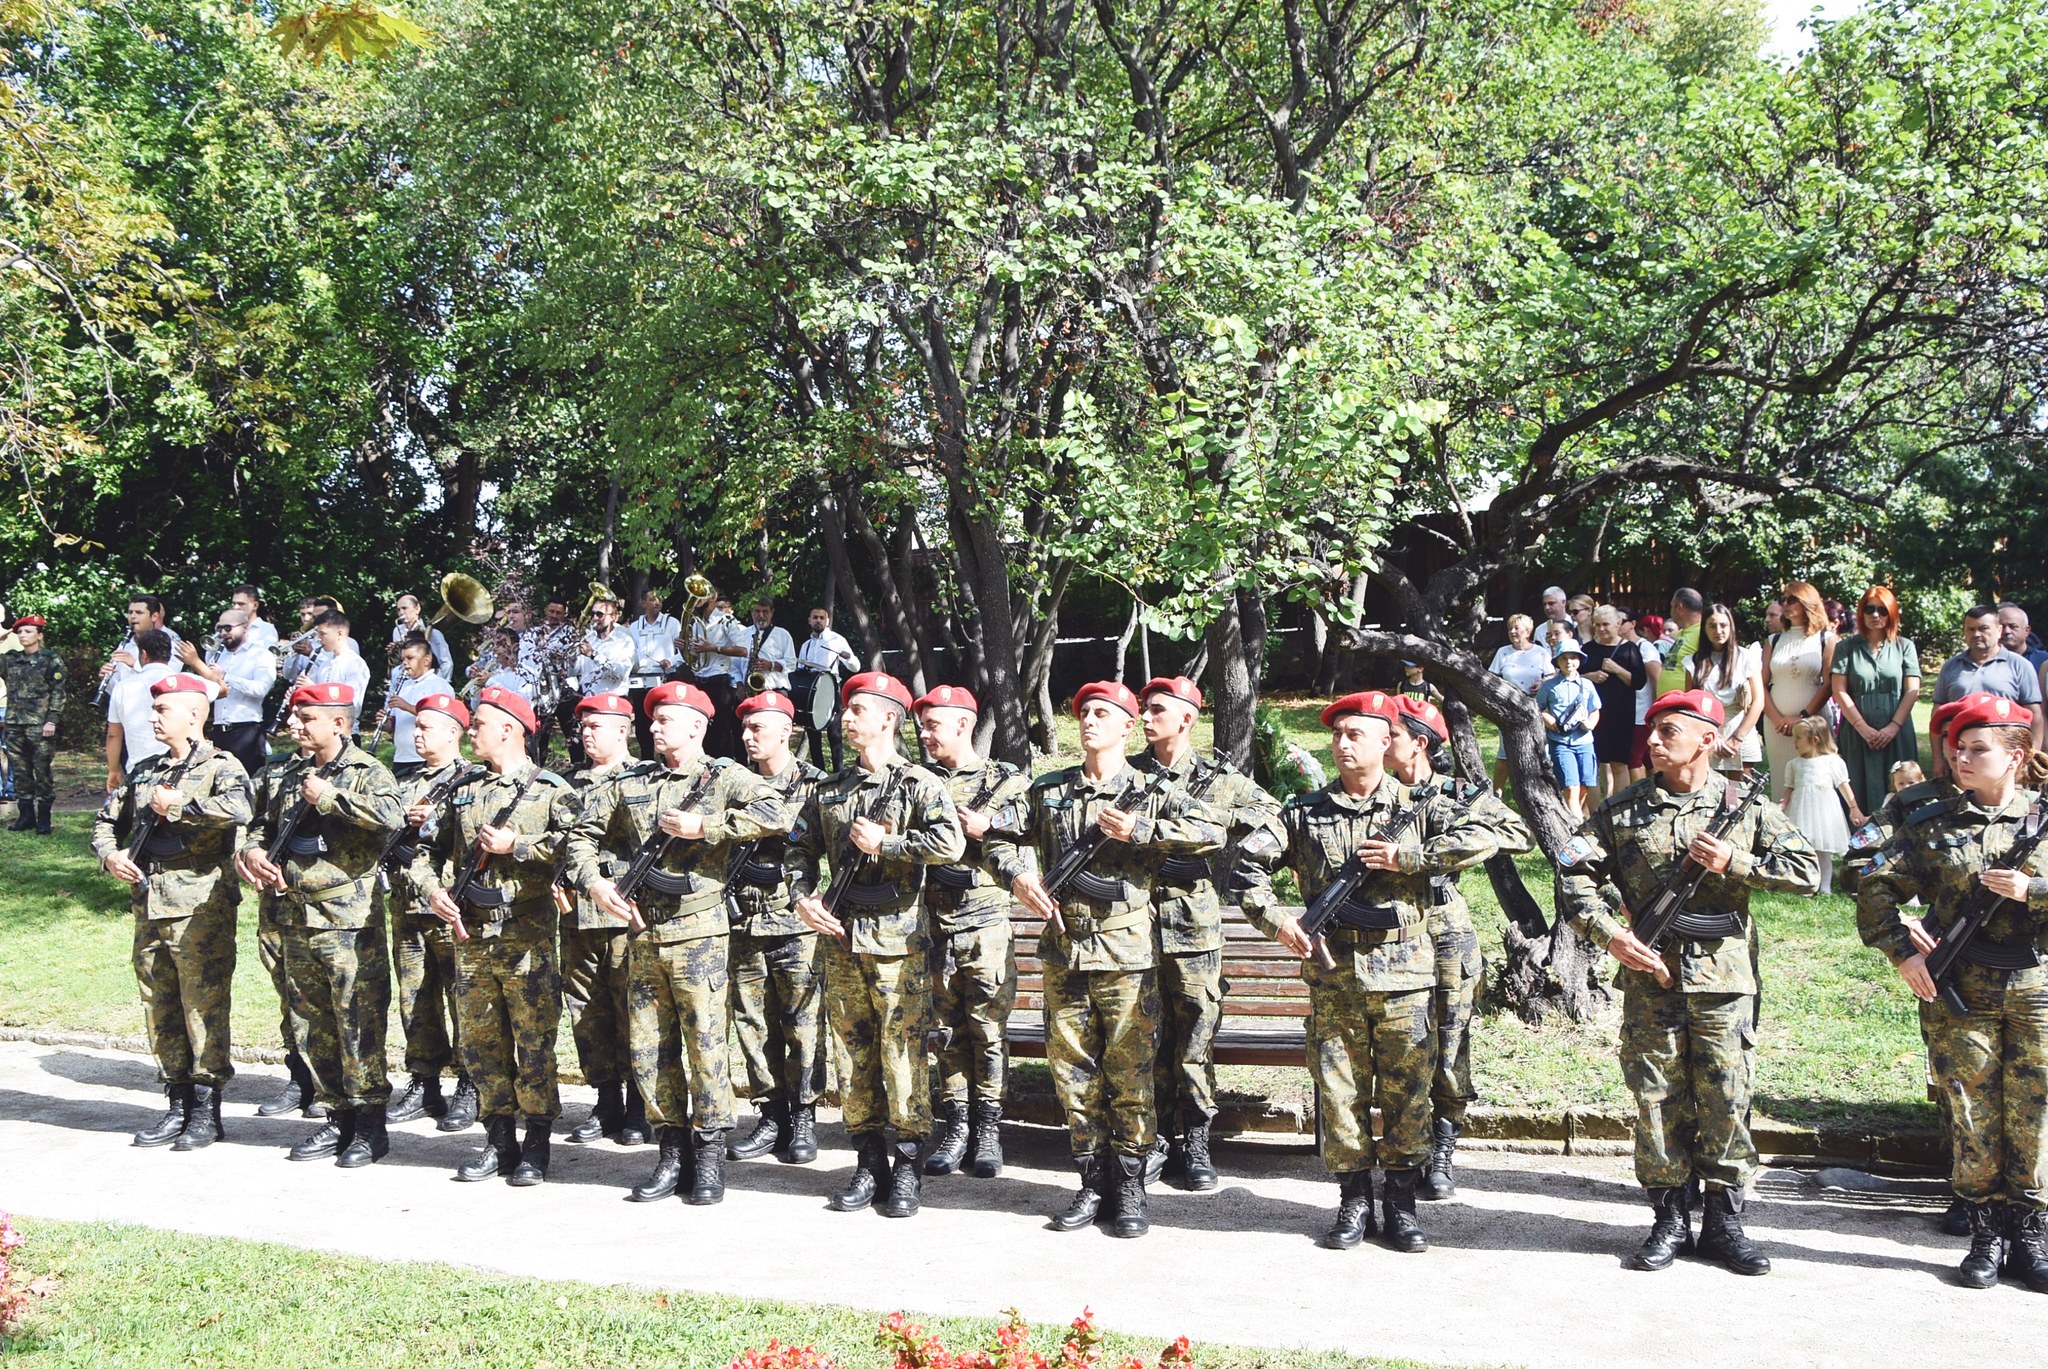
(1526, 1266)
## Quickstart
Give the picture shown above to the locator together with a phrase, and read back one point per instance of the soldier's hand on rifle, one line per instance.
(676, 823)
(49, 729)
(1711, 852)
(313, 789)
(1379, 855)
(496, 840)
(974, 823)
(261, 871)
(1923, 940)
(161, 798)
(605, 894)
(811, 909)
(1295, 939)
(417, 815)
(1629, 949)
(867, 834)
(442, 905)
(1116, 824)
(2010, 884)
(1030, 891)
(120, 867)
(1913, 970)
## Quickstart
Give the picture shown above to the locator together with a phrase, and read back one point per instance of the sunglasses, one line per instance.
(1875, 609)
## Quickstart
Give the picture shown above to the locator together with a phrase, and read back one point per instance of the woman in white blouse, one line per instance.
(1796, 684)
(1522, 664)
(1732, 673)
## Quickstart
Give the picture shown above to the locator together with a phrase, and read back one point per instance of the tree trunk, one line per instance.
(840, 576)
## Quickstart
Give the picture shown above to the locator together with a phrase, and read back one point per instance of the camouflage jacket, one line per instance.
(1109, 921)
(587, 916)
(1634, 842)
(1936, 856)
(1188, 893)
(971, 892)
(330, 866)
(1325, 827)
(684, 898)
(883, 908)
(1867, 843)
(1502, 823)
(410, 868)
(760, 903)
(273, 789)
(512, 894)
(35, 687)
(191, 848)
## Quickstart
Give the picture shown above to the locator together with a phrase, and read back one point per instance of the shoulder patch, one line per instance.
(1578, 849)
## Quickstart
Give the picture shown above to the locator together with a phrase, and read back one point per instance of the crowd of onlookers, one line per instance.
(1822, 699)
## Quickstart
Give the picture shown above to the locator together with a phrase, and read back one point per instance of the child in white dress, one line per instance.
(1818, 798)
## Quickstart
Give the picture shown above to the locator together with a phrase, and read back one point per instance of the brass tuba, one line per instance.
(600, 592)
(464, 597)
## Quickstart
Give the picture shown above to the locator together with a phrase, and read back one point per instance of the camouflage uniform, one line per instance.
(677, 977)
(878, 996)
(422, 945)
(595, 968)
(1991, 1063)
(276, 788)
(1101, 981)
(508, 978)
(337, 958)
(778, 996)
(184, 908)
(35, 695)
(1687, 1052)
(973, 955)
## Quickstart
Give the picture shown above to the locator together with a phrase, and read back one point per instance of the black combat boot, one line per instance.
(24, 816)
(42, 817)
(296, 1095)
(802, 1145)
(202, 1127)
(420, 1098)
(954, 1134)
(1131, 1220)
(1155, 1159)
(500, 1155)
(333, 1136)
(1354, 1212)
(1722, 1238)
(171, 1125)
(987, 1142)
(605, 1119)
(707, 1184)
(1198, 1171)
(767, 1135)
(870, 1174)
(461, 1113)
(1397, 1217)
(534, 1154)
(1670, 1233)
(634, 1131)
(2026, 1247)
(1955, 1220)
(906, 1182)
(1087, 1204)
(1438, 1180)
(668, 1167)
(371, 1142)
(1979, 1268)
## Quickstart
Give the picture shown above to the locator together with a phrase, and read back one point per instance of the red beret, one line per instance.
(1179, 686)
(28, 620)
(680, 693)
(882, 686)
(1987, 710)
(610, 705)
(1418, 711)
(1110, 692)
(444, 703)
(300, 694)
(1944, 715)
(1690, 703)
(1369, 703)
(767, 701)
(948, 696)
(180, 683)
(511, 702)
(324, 696)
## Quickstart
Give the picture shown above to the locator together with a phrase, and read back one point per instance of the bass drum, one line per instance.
(815, 694)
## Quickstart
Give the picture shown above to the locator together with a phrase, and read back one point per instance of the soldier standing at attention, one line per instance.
(778, 996)
(1412, 755)
(500, 832)
(974, 961)
(336, 949)
(1099, 949)
(1189, 913)
(882, 820)
(689, 807)
(1688, 1011)
(184, 899)
(275, 789)
(35, 700)
(594, 942)
(1992, 1060)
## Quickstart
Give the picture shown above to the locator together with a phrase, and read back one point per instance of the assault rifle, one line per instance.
(407, 834)
(854, 859)
(1075, 860)
(1329, 906)
(1666, 913)
(289, 828)
(1959, 942)
(479, 857)
(146, 816)
(648, 858)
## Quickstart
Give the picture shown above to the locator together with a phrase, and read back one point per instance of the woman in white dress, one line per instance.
(1732, 673)
(1796, 666)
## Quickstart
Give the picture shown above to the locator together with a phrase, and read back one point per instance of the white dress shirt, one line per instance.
(653, 643)
(827, 650)
(249, 670)
(777, 656)
(608, 666)
(402, 722)
(717, 630)
(348, 668)
(261, 633)
(507, 678)
(130, 704)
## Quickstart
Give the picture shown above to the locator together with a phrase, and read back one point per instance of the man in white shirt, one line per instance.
(718, 655)
(145, 613)
(301, 664)
(248, 600)
(604, 662)
(130, 739)
(826, 657)
(500, 668)
(339, 662)
(417, 680)
(242, 675)
(769, 649)
(409, 621)
(655, 654)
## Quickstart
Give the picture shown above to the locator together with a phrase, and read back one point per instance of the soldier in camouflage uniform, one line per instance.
(1372, 978)
(336, 954)
(274, 789)
(1688, 1011)
(691, 808)
(1187, 901)
(974, 960)
(778, 994)
(491, 878)
(35, 700)
(1992, 1059)
(1099, 949)
(882, 821)
(595, 967)
(184, 898)
(1413, 755)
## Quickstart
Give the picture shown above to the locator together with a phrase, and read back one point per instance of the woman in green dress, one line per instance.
(1876, 683)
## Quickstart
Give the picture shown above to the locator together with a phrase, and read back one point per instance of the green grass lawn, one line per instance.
(131, 1295)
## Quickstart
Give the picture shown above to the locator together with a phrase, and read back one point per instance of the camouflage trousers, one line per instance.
(29, 754)
(974, 987)
(1689, 1058)
(291, 1028)
(1101, 1038)
(880, 1009)
(594, 972)
(778, 1014)
(676, 995)
(1369, 1048)
(185, 970)
(341, 987)
(1992, 1066)
(1191, 989)
(1460, 984)
(423, 953)
(508, 1007)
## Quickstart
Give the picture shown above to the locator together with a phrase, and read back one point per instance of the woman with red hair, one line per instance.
(1876, 682)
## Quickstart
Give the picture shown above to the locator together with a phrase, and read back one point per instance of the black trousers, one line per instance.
(243, 741)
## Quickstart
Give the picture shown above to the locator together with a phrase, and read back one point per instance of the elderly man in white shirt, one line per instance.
(824, 658)
(130, 738)
(242, 674)
(769, 649)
